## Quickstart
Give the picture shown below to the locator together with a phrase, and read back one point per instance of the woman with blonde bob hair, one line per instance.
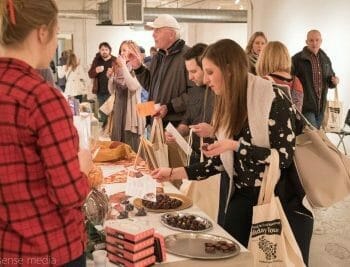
(250, 118)
(43, 177)
(275, 64)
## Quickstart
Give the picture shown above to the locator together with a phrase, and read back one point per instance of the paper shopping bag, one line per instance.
(148, 153)
(160, 148)
(332, 121)
(177, 158)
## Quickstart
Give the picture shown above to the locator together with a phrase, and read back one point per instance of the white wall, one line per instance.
(289, 21)
(210, 32)
(87, 36)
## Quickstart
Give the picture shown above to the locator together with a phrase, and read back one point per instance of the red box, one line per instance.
(129, 246)
(130, 256)
(123, 262)
(131, 231)
(159, 247)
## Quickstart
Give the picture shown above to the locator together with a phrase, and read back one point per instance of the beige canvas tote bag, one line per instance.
(271, 241)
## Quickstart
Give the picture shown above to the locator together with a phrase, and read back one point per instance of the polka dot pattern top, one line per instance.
(249, 160)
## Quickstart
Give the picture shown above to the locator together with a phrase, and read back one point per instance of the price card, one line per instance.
(143, 187)
(146, 109)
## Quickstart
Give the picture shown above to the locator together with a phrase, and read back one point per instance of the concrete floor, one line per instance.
(330, 245)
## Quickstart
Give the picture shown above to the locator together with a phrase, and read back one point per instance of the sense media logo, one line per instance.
(267, 228)
(28, 261)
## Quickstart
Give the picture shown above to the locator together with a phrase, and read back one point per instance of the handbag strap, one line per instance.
(138, 152)
(336, 96)
(157, 130)
(188, 153)
(201, 142)
(304, 119)
(270, 178)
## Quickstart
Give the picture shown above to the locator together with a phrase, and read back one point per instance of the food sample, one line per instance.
(163, 202)
(205, 147)
(141, 212)
(135, 174)
(129, 207)
(210, 249)
(223, 246)
(123, 215)
(160, 190)
(186, 222)
(125, 201)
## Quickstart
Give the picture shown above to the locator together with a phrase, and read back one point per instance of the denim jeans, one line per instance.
(315, 120)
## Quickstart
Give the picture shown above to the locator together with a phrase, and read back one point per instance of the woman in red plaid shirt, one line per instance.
(42, 183)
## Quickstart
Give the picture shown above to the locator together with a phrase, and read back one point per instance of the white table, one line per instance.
(244, 259)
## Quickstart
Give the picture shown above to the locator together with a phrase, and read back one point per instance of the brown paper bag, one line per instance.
(177, 158)
(159, 146)
(148, 153)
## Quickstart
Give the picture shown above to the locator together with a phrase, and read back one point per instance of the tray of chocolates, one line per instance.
(186, 222)
(201, 246)
(165, 203)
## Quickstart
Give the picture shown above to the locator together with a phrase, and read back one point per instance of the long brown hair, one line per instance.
(19, 17)
(72, 61)
(230, 109)
(252, 38)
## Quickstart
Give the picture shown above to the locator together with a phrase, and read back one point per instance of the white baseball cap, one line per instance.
(163, 20)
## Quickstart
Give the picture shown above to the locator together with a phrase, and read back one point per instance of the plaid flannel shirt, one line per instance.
(41, 186)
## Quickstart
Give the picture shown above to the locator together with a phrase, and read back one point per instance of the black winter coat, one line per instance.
(301, 67)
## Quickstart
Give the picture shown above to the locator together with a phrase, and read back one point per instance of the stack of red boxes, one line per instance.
(130, 244)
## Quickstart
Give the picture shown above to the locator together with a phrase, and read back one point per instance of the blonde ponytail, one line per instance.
(25, 15)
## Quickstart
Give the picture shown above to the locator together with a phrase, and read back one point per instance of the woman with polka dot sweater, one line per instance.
(250, 118)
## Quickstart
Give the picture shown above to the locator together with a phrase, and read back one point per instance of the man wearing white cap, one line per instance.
(166, 79)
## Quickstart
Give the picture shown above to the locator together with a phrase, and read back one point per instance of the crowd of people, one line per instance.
(238, 103)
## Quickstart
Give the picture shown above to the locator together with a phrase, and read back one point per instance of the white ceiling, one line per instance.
(201, 4)
(204, 4)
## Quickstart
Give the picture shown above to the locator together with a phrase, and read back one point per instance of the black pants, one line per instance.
(79, 97)
(238, 219)
(224, 190)
(78, 262)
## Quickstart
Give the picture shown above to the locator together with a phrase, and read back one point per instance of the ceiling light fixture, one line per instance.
(237, 2)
